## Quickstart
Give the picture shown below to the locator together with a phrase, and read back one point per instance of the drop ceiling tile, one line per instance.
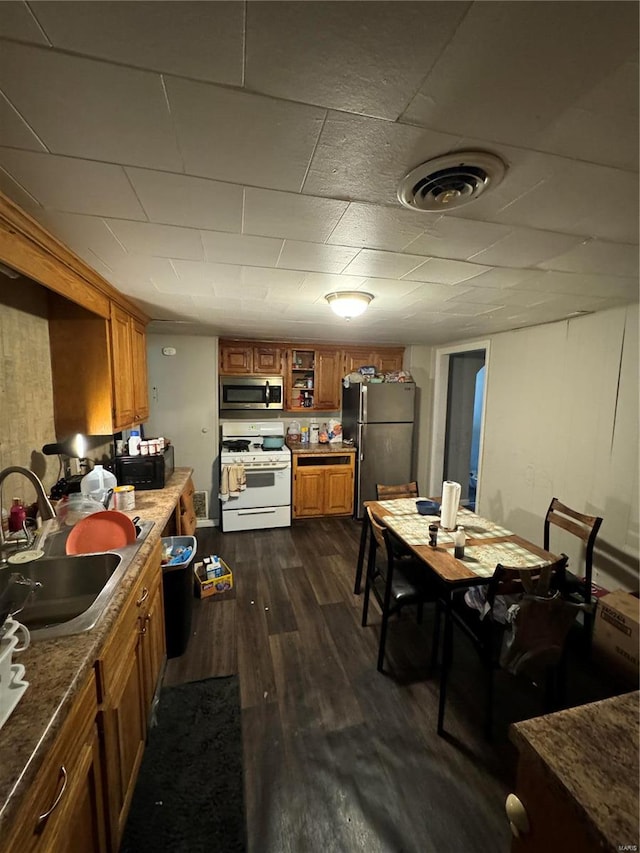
(577, 284)
(317, 284)
(460, 239)
(502, 296)
(73, 186)
(119, 114)
(370, 262)
(597, 256)
(161, 241)
(378, 227)
(134, 270)
(200, 276)
(11, 188)
(83, 233)
(17, 22)
(181, 200)
(468, 91)
(276, 214)
(241, 137)
(505, 277)
(315, 257)
(364, 159)
(240, 249)
(445, 271)
(369, 61)
(286, 280)
(14, 131)
(398, 290)
(153, 35)
(525, 247)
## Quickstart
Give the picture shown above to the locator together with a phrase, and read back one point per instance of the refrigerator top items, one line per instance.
(379, 419)
(254, 458)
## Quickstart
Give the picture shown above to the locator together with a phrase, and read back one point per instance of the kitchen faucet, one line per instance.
(44, 506)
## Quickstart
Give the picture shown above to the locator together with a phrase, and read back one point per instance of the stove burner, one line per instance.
(236, 445)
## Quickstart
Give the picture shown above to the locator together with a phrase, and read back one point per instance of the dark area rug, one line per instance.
(189, 794)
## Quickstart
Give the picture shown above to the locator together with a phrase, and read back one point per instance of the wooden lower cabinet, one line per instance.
(64, 809)
(188, 521)
(128, 671)
(322, 484)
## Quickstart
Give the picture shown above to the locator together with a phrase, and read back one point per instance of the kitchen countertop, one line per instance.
(335, 447)
(56, 669)
(591, 751)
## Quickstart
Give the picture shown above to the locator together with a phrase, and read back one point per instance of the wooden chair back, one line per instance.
(583, 526)
(402, 490)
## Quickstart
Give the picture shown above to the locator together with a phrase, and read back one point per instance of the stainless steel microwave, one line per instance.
(251, 392)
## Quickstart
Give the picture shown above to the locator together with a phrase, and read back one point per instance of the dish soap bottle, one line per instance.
(459, 539)
(17, 516)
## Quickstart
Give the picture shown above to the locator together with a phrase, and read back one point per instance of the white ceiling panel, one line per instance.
(241, 137)
(240, 249)
(295, 217)
(14, 131)
(445, 271)
(121, 114)
(525, 247)
(467, 90)
(315, 257)
(383, 264)
(17, 22)
(182, 200)
(370, 64)
(228, 164)
(160, 241)
(73, 186)
(153, 35)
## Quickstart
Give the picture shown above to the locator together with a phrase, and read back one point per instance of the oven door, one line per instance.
(266, 487)
(250, 392)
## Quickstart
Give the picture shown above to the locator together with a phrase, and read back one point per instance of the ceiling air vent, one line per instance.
(450, 181)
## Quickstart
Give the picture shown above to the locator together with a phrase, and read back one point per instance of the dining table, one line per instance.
(487, 544)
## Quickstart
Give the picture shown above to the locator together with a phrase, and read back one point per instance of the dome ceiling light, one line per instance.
(349, 303)
(451, 181)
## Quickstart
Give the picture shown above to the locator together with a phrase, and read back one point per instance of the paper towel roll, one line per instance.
(450, 502)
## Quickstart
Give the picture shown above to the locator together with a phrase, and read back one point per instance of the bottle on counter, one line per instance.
(17, 516)
(304, 435)
(459, 538)
(134, 442)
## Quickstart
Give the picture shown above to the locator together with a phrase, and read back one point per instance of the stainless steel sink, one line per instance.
(75, 589)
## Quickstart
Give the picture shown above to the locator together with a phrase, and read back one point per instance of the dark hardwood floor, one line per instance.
(338, 757)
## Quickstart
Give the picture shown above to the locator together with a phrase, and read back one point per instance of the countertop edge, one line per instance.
(56, 669)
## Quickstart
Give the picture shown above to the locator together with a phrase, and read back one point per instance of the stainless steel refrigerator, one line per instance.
(379, 418)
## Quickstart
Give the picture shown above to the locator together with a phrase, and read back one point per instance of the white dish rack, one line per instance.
(12, 683)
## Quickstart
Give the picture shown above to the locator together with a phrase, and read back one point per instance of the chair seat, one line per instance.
(409, 584)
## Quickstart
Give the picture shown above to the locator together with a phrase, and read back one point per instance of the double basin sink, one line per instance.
(75, 590)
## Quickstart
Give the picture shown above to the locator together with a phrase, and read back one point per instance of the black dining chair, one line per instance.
(529, 641)
(395, 582)
(586, 528)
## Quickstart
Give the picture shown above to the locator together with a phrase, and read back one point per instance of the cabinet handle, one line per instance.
(63, 773)
(143, 597)
(145, 623)
(517, 814)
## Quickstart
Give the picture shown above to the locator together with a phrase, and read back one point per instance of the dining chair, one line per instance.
(586, 528)
(528, 639)
(395, 582)
(403, 490)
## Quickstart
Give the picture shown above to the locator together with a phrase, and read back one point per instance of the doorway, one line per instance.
(458, 419)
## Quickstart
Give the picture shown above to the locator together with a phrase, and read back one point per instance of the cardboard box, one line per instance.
(205, 587)
(616, 634)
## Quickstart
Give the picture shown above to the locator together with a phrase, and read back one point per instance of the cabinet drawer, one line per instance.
(332, 459)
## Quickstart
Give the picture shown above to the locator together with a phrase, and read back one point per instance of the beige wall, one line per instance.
(562, 421)
(26, 396)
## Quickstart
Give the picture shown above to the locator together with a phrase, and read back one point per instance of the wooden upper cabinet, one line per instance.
(328, 396)
(140, 373)
(385, 360)
(246, 358)
(122, 364)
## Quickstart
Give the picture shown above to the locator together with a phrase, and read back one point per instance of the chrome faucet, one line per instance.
(44, 506)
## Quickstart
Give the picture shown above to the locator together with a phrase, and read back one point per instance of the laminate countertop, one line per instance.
(56, 669)
(320, 449)
(591, 751)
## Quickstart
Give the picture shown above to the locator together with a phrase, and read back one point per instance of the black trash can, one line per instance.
(177, 586)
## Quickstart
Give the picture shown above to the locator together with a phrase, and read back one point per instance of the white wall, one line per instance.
(183, 399)
(419, 362)
(562, 421)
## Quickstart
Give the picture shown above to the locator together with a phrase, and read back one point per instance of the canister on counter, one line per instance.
(124, 498)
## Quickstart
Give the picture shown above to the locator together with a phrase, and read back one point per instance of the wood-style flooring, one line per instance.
(338, 757)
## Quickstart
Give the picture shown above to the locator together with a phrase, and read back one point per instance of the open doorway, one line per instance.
(459, 398)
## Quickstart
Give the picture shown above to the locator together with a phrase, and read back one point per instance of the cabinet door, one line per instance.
(355, 358)
(267, 360)
(153, 642)
(139, 372)
(122, 359)
(236, 359)
(388, 362)
(328, 378)
(308, 497)
(188, 521)
(339, 490)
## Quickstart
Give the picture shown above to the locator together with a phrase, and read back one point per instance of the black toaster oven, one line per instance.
(144, 472)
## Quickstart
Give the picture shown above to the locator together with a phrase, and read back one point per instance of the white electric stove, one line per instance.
(266, 500)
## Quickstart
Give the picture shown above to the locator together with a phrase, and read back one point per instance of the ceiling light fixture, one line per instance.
(349, 303)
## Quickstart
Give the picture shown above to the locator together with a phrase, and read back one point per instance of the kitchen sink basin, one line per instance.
(75, 590)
